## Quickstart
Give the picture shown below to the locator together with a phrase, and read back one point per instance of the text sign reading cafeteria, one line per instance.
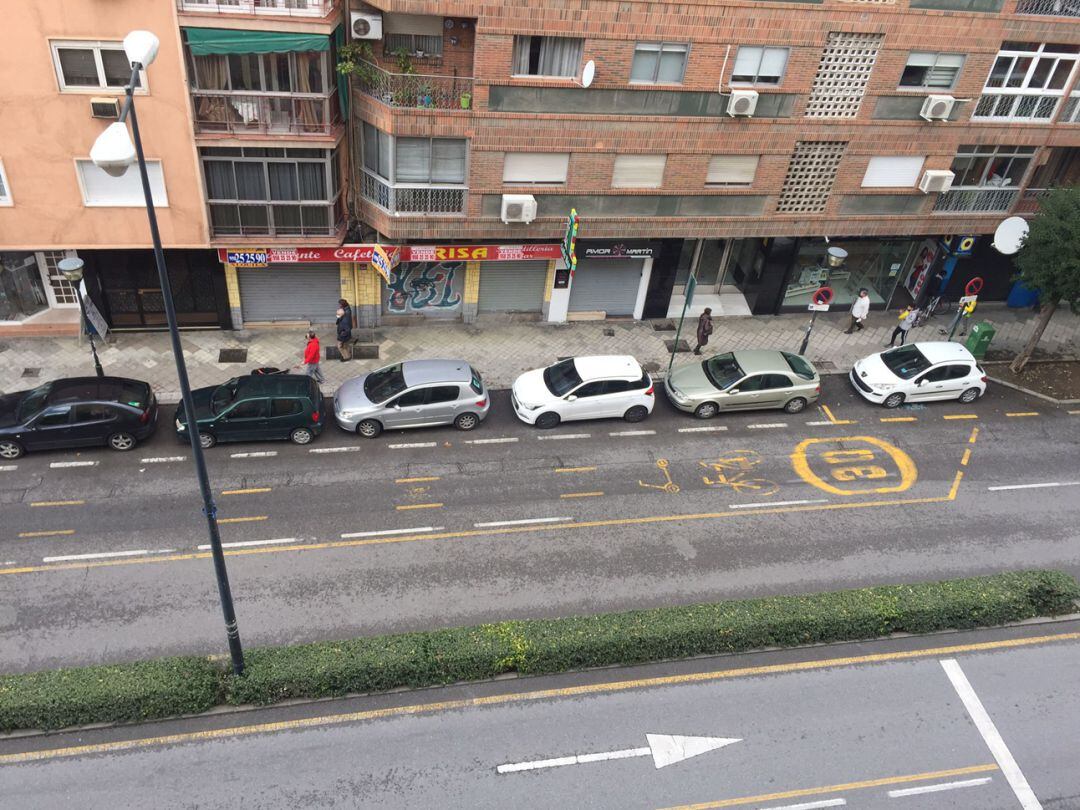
(249, 257)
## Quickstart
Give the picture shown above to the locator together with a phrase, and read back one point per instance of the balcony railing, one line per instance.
(414, 90)
(277, 219)
(976, 200)
(1029, 200)
(1051, 8)
(412, 199)
(266, 113)
(277, 8)
(1016, 107)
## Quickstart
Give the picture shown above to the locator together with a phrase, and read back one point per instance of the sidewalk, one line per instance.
(499, 350)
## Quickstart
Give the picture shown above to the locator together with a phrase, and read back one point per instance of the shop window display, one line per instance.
(22, 293)
(873, 264)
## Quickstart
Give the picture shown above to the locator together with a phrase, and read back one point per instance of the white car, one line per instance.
(584, 388)
(919, 372)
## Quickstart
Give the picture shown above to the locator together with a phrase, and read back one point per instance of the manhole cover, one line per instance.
(232, 355)
(683, 346)
(31, 372)
(826, 365)
(663, 326)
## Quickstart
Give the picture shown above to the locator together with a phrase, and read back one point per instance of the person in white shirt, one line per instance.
(859, 310)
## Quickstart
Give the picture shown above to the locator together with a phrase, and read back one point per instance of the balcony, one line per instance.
(1029, 200)
(414, 90)
(1049, 8)
(277, 220)
(218, 111)
(275, 8)
(1036, 107)
(976, 201)
(404, 198)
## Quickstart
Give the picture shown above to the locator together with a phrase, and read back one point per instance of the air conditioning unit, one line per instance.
(105, 108)
(936, 180)
(366, 26)
(937, 108)
(518, 208)
(742, 102)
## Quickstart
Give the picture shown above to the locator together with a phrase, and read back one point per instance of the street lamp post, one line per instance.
(72, 270)
(114, 152)
(835, 257)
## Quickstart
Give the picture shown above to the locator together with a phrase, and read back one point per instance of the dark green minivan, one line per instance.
(275, 406)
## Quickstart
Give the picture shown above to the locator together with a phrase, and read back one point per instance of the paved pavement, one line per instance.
(500, 350)
(976, 721)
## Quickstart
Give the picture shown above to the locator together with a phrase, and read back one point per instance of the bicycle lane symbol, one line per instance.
(730, 470)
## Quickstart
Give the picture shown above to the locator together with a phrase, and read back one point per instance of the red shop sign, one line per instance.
(414, 253)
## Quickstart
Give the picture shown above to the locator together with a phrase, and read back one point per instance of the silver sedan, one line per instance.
(746, 380)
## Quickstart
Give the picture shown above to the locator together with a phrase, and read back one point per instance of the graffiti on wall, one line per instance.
(425, 288)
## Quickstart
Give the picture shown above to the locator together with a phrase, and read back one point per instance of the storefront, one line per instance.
(612, 278)
(290, 292)
(424, 290)
(513, 287)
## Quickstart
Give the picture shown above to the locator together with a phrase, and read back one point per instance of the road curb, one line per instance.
(1032, 393)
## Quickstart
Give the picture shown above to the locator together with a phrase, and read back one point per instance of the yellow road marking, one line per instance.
(956, 485)
(960, 416)
(574, 469)
(47, 534)
(818, 791)
(966, 458)
(856, 463)
(418, 506)
(58, 503)
(833, 419)
(249, 491)
(898, 419)
(416, 480)
(974, 435)
(1022, 413)
(541, 694)
(581, 494)
(244, 519)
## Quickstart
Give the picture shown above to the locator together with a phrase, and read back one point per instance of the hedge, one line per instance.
(155, 689)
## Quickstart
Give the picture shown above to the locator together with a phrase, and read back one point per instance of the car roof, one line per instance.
(753, 361)
(605, 366)
(273, 385)
(105, 389)
(422, 372)
(942, 351)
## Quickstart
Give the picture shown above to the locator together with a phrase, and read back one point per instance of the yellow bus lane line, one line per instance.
(55, 533)
(248, 491)
(58, 503)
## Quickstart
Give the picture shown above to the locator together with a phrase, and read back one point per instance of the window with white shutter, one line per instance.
(758, 65)
(731, 170)
(5, 191)
(535, 167)
(638, 171)
(102, 189)
(892, 172)
(932, 70)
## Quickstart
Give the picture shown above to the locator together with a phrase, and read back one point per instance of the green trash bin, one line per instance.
(979, 339)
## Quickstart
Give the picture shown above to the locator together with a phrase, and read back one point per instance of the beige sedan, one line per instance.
(746, 380)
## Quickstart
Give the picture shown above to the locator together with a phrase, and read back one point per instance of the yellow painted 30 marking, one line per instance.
(855, 463)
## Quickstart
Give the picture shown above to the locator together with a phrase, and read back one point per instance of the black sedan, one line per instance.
(77, 412)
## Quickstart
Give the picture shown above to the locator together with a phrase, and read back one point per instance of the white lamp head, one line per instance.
(837, 256)
(141, 47)
(113, 151)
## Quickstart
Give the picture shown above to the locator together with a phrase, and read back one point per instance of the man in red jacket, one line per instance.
(311, 357)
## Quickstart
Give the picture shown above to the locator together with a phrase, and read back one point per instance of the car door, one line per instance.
(51, 429)
(929, 385)
(92, 423)
(443, 404)
(615, 400)
(247, 420)
(745, 394)
(407, 410)
(585, 402)
(775, 391)
(962, 376)
(286, 414)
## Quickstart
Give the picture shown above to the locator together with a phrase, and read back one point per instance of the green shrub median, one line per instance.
(171, 686)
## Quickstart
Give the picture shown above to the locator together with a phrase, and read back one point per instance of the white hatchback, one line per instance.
(919, 372)
(584, 388)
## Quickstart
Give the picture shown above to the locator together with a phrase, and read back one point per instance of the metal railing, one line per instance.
(282, 8)
(1053, 8)
(412, 199)
(1016, 106)
(976, 200)
(269, 113)
(1029, 200)
(414, 90)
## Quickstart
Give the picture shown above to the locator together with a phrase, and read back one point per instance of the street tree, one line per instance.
(1049, 261)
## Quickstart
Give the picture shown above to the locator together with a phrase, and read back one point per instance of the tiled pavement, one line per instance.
(499, 350)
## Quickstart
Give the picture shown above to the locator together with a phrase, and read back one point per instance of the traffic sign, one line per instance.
(823, 295)
(974, 286)
(967, 299)
(818, 308)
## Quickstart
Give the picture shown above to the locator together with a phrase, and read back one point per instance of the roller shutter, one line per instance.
(606, 285)
(512, 286)
(303, 292)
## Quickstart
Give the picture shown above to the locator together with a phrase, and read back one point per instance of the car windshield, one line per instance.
(223, 396)
(799, 366)
(385, 383)
(33, 402)
(562, 377)
(905, 362)
(722, 370)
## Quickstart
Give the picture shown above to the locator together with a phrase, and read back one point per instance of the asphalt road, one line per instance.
(101, 561)
(979, 721)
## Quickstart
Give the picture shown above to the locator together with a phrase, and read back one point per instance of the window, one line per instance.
(248, 409)
(429, 160)
(889, 172)
(933, 70)
(731, 170)
(412, 399)
(592, 389)
(5, 189)
(959, 372)
(754, 383)
(758, 65)
(799, 365)
(93, 412)
(286, 407)
(638, 171)
(659, 62)
(61, 292)
(54, 417)
(776, 381)
(421, 46)
(92, 66)
(102, 189)
(292, 72)
(443, 393)
(994, 166)
(535, 167)
(939, 374)
(617, 386)
(1027, 81)
(547, 56)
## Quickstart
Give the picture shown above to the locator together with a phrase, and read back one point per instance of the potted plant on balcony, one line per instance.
(405, 95)
(357, 59)
(466, 99)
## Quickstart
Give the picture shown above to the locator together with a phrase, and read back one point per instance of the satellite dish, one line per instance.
(1010, 235)
(588, 73)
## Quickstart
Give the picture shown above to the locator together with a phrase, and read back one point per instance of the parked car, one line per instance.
(739, 381)
(919, 372)
(584, 388)
(416, 393)
(255, 407)
(77, 412)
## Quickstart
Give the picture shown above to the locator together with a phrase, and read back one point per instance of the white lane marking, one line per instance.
(766, 425)
(576, 759)
(565, 436)
(137, 552)
(522, 522)
(162, 459)
(350, 448)
(504, 440)
(261, 454)
(1013, 775)
(705, 429)
(633, 433)
(897, 794)
(665, 749)
(393, 531)
(9, 468)
(413, 444)
(772, 503)
(243, 543)
(810, 805)
(818, 424)
(59, 464)
(1036, 486)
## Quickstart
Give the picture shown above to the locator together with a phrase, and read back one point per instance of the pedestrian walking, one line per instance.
(704, 329)
(312, 351)
(907, 320)
(859, 310)
(344, 330)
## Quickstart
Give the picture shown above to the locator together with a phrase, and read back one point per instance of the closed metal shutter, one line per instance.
(606, 285)
(290, 292)
(512, 286)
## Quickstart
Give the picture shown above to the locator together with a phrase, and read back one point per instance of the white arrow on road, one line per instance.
(665, 749)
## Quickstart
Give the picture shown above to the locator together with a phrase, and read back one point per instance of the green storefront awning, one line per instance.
(204, 41)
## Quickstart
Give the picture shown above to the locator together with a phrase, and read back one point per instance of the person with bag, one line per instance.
(704, 329)
(344, 330)
(312, 352)
(907, 317)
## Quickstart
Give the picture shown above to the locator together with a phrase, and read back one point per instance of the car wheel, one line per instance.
(11, 450)
(795, 405)
(369, 428)
(706, 410)
(636, 414)
(121, 441)
(207, 440)
(970, 395)
(893, 400)
(547, 420)
(466, 421)
(301, 436)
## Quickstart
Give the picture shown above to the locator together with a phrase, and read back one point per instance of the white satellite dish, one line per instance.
(588, 73)
(1010, 235)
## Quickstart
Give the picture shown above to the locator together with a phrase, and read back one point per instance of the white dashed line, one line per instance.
(104, 554)
(897, 794)
(766, 425)
(522, 522)
(818, 424)
(162, 460)
(243, 543)
(392, 531)
(261, 454)
(505, 440)
(703, 429)
(350, 448)
(771, 504)
(59, 464)
(633, 433)
(410, 446)
(1036, 486)
(811, 805)
(565, 436)
(9, 468)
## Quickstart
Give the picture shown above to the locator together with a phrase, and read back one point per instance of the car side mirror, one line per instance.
(922, 381)
(571, 398)
(397, 407)
(733, 391)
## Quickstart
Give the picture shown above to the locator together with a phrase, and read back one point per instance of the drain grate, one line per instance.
(609, 333)
(825, 365)
(663, 326)
(683, 346)
(31, 372)
(232, 355)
